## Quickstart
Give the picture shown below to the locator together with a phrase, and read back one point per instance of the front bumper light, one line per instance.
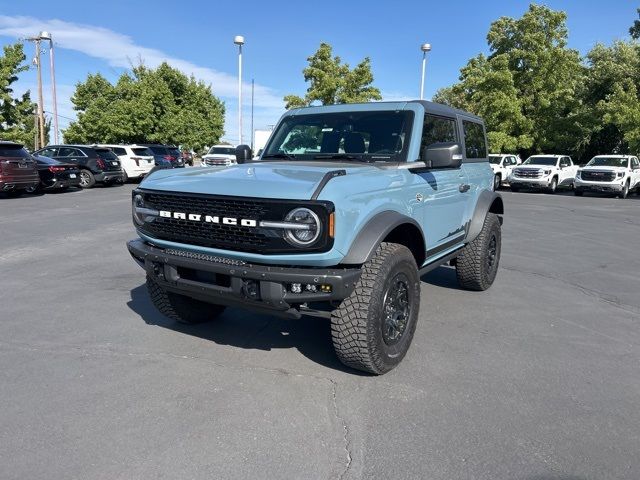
(308, 227)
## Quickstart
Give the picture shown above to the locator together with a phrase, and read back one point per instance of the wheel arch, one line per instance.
(488, 202)
(387, 226)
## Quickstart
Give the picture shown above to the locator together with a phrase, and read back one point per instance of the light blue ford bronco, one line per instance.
(344, 211)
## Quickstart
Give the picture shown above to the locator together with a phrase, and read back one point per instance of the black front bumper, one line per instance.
(222, 281)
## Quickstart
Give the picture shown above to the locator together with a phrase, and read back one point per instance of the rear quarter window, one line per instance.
(474, 142)
(106, 154)
(142, 151)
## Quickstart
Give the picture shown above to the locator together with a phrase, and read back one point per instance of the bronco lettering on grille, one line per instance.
(194, 217)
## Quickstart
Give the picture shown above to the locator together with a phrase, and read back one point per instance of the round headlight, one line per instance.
(309, 227)
(138, 202)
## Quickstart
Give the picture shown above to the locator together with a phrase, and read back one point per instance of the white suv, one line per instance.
(617, 174)
(502, 166)
(136, 161)
(219, 155)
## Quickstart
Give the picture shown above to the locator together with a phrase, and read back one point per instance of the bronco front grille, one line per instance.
(528, 173)
(596, 176)
(244, 236)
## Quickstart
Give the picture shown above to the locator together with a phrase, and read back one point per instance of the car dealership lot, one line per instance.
(535, 379)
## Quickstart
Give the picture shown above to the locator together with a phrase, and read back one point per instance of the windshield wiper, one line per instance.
(287, 156)
(339, 156)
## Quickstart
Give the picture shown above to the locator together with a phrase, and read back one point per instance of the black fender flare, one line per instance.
(488, 201)
(373, 233)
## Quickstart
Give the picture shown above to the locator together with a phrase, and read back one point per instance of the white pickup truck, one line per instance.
(544, 172)
(502, 164)
(617, 174)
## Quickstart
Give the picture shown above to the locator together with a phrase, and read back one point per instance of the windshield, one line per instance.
(551, 161)
(106, 154)
(495, 159)
(13, 151)
(158, 150)
(222, 151)
(608, 162)
(364, 135)
(142, 151)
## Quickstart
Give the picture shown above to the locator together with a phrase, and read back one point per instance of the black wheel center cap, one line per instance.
(396, 309)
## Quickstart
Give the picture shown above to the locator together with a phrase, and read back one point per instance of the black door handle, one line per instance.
(464, 187)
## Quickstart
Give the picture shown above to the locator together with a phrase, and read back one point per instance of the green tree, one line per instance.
(634, 31)
(331, 81)
(17, 121)
(147, 105)
(528, 89)
(612, 98)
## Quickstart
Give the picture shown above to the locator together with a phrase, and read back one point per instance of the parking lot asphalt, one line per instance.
(536, 379)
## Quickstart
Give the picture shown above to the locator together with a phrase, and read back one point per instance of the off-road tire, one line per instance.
(624, 193)
(181, 308)
(87, 180)
(474, 267)
(357, 324)
(553, 186)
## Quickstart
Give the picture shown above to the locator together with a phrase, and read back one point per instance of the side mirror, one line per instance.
(243, 153)
(442, 155)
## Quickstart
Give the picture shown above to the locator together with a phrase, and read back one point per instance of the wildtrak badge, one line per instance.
(215, 219)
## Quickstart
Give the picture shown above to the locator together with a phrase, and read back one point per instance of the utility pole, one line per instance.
(35, 129)
(40, 99)
(47, 36)
(252, 95)
(38, 63)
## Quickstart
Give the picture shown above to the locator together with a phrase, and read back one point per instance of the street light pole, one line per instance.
(239, 40)
(47, 36)
(425, 47)
(252, 97)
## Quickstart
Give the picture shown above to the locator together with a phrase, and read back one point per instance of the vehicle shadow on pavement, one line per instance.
(311, 336)
(443, 276)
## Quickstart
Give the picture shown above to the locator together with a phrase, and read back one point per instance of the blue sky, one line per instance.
(197, 37)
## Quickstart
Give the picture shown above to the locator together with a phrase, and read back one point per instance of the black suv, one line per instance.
(165, 155)
(96, 164)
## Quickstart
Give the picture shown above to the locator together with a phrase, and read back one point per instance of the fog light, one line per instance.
(310, 288)
(251, 289)
(296, 288)
(325, 288)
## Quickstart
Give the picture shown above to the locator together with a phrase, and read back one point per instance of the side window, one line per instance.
(565, 162)
(438, 130)
(119, 150)
(634, 163)
(48, 152)
(474, 142)
(67, 152)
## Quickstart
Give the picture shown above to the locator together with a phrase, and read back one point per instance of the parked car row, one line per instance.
(58, 167)
(613, 174)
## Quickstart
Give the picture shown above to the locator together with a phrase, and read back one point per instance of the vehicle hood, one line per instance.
(603, 169)
(219, 155)
(533, 166)
(286, 179)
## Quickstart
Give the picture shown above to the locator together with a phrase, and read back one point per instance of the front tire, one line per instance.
(497, 182)
(477, 264)
(625, 190)
(372, 329)
(553, 186)
(181, 308)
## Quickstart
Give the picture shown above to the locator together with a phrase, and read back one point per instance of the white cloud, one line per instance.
(119, 50)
